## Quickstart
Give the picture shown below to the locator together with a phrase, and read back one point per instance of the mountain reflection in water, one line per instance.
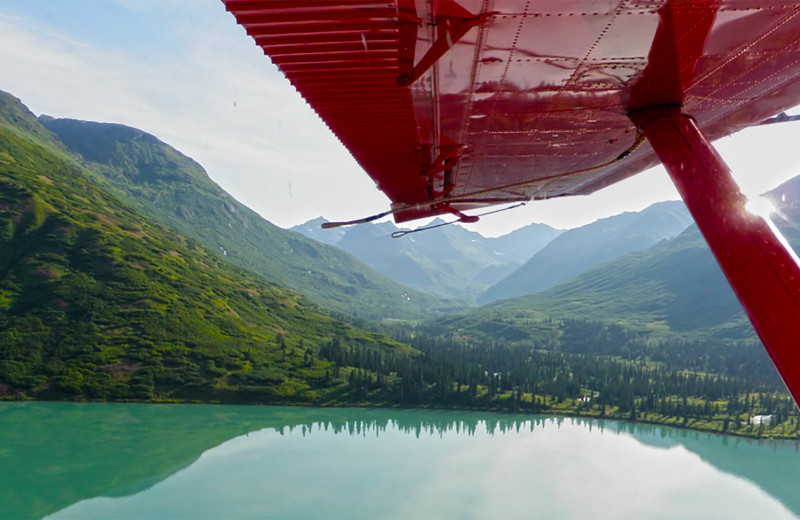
(350, 462)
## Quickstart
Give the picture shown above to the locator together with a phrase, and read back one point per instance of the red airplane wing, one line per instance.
(462, 103)
(455, 104)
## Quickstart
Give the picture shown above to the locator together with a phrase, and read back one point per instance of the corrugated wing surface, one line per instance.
(511, 100)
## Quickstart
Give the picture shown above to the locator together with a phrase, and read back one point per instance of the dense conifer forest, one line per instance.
(581, 368)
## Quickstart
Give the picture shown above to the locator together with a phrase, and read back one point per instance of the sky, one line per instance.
(184, 71)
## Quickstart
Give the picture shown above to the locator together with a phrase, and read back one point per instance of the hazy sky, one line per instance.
(185, 72)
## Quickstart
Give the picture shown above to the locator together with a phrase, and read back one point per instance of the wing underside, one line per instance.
(451, 105)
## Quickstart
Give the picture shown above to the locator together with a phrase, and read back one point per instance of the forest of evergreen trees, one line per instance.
(592, 369)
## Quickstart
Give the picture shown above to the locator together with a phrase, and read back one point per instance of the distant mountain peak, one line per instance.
(786, 199)
(448, 261)
(313, 229)
(16, 115)
(580, 249)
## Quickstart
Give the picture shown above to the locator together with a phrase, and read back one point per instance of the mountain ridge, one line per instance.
(672, 289)
(669, 285)
(577, 250)
(170, 187)
(447, 262)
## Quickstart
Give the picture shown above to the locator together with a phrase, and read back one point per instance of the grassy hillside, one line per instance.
(160, 182)
(100, 302)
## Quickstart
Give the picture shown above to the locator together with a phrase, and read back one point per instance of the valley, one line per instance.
(126, 274)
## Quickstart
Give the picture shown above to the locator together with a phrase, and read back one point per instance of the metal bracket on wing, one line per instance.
(452, 23)
(442, 167)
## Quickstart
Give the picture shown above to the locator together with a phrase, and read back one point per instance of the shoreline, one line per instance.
(670, 422)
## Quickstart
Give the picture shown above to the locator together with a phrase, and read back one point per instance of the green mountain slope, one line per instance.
(99, 301)
(162, 183)
(448, 262)
(578, 250)
(675, 286)
(669, 304)
(674, 289)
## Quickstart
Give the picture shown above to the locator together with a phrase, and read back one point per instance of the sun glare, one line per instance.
(761, 206)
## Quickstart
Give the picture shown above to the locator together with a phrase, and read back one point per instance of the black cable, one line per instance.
(400, 234)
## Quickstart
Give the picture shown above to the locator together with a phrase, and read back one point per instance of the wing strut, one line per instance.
(759, 264)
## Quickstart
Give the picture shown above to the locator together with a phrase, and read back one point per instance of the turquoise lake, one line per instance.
(60, 460)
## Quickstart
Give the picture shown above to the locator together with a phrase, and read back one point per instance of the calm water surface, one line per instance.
(62, 460)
